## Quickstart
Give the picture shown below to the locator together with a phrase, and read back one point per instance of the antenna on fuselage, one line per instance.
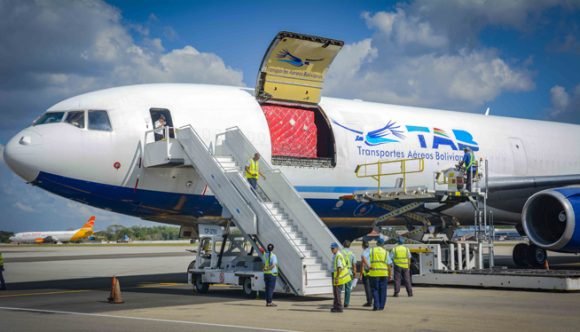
(487, 111)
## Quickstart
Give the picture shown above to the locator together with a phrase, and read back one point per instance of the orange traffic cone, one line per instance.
(115, 296)
(546, 265)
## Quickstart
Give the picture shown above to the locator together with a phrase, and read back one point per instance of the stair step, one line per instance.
(312, 261)
(316, 290)
(304, 247)
(318, 275)
(319, 282)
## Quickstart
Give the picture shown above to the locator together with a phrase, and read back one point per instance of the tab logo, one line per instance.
(427, 137)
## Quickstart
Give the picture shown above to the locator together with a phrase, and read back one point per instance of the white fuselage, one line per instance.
(513, 147)
(38, 237)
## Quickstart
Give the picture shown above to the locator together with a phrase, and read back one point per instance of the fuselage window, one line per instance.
(50, 117)
(99, 120)
(76, 118)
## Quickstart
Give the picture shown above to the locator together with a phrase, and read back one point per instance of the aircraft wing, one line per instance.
(531, 182)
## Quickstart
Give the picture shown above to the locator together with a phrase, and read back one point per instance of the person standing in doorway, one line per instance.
(253, 171)
(365, 266)
(351, 265)
(270, 274)
(340, 276)
(401, 257)
(160, 128)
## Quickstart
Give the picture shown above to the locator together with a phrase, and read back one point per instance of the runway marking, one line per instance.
(160, 284)
(253, 328)
(45, 293)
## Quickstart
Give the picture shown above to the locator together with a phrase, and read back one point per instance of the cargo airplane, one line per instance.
(56, 236)
(90, 148)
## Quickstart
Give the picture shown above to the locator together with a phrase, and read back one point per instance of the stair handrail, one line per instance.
(201, 142)
(264, 165)
(267, 211)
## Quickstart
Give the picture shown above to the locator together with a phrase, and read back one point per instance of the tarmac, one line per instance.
(65, 288)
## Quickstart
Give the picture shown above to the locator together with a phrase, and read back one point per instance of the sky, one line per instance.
(520, 58)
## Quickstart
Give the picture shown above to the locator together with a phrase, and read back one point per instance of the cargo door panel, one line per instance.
(294, 67)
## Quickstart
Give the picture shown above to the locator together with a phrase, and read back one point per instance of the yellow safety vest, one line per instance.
(471, 160)
(344, 275)
(267, 263)
(401, 256)
(346, 254)
(1, 260)
(254, 170)
(379, 266)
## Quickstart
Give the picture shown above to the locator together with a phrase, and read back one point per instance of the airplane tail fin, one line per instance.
(90, 223)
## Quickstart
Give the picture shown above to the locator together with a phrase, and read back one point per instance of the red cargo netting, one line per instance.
(293, 131)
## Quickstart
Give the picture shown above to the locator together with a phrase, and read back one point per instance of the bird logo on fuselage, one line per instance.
(287, 57)
(388, 134)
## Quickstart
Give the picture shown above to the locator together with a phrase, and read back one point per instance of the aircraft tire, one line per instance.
(520, 255)
(536, 256)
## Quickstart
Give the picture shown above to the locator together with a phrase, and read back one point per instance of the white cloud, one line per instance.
(565, 105)
(23, 207)
(57, 49)
(410, 60)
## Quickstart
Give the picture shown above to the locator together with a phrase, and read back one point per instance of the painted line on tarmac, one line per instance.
(44, 293)
(252, 328)
(160, 284)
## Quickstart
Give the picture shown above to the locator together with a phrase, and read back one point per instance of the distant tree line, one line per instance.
(156, 233)
(4, 236)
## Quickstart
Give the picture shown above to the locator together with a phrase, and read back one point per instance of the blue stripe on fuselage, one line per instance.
(147, 203)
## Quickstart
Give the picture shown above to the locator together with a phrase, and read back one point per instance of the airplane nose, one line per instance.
(20, 154)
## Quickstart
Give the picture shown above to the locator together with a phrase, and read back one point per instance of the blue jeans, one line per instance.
(379, 286)
(347, 290)
(253, 182)
(270, 281)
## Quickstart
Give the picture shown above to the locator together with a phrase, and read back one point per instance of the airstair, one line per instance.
(275, 213)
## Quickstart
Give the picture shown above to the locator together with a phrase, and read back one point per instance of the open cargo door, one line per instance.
(288, 89)
(294, 67)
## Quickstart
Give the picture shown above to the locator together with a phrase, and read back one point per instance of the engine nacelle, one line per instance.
(550, 219)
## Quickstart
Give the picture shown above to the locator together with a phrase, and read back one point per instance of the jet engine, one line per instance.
(549, 219)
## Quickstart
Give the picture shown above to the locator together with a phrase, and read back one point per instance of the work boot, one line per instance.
(396, 295)
(335, 310)
(367, 304)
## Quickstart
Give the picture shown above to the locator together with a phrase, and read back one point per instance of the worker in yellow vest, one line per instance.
(270, 274)
(252, 170)
(379, 274)
(401, 257)
(350, 260)
(365, 266)
(468, 163)
(340, 276)
(2, 282)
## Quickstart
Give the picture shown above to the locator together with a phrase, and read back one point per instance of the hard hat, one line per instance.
(380, 241)
(333, 245)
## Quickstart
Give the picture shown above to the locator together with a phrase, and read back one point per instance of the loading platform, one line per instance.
(460, 265)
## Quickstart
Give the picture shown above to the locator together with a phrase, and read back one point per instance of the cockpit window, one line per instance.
(99, 120)
(50, 117)
(76, 118)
